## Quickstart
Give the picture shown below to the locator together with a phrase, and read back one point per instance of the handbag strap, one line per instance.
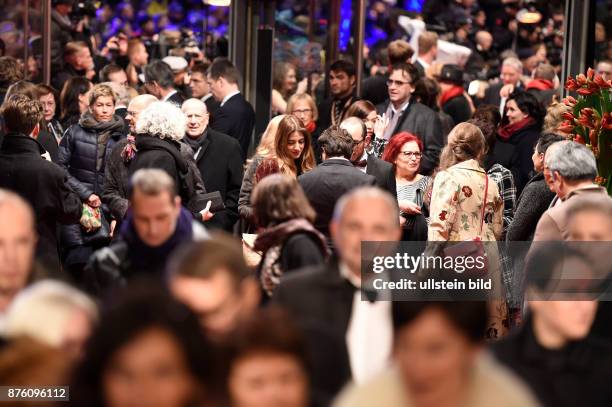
(484, 202)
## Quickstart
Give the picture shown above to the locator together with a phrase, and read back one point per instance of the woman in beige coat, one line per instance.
(458, 191)
(457, 212)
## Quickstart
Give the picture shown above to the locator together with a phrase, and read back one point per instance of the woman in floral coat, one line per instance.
(456, 209)
(458, 191)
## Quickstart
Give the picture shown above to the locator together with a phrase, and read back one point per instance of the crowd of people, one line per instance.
(154, 251)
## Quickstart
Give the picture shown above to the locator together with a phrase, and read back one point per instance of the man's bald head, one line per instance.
(484, 39)
(17, 244)
(197, 117)
(136, 106)
(355, 127)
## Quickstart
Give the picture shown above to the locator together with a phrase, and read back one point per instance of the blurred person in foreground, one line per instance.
(328, 299)
(553, 351)
(155, 226)
(212, 278)
(147, 350)
(438, 360)
(52, 313)
(17, 244)
(42, 183)
(269, 362)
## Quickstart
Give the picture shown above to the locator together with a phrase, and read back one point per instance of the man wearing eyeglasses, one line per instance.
(409, 115)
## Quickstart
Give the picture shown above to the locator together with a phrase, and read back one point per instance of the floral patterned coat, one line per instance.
(456, 205)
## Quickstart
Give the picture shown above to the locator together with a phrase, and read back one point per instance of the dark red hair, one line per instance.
(395, 145)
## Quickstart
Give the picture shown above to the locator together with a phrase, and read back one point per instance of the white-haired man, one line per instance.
(115, 193)
(572, 170)
(329, 296)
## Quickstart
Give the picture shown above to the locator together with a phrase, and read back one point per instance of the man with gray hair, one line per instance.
(511, 73)
(572, 170)
(156, 225)
(330, 295)
(115, 193)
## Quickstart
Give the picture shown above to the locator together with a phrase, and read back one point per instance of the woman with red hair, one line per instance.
(404, 151)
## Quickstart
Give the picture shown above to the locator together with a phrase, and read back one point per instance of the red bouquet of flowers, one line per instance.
(590, 120)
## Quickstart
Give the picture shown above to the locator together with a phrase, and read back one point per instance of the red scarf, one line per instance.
(450, 94)
(310, 127)
(540, 84)
(505, 132)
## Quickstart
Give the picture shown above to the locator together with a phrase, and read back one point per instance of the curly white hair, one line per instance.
(162, 120)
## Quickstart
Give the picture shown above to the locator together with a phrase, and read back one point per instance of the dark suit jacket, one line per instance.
(236, 118)
(384, 174)
(425, 124)
(325, 108)
(419, 68)
(492, 94)
(176, 98)
(321, 301)
(219, 160)
(458, 108)
(326, 183)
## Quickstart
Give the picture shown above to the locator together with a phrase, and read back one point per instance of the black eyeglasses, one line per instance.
(397, 83)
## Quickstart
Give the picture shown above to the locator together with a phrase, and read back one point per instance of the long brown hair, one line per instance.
(279, 198)
(465, 142)
(289, 125)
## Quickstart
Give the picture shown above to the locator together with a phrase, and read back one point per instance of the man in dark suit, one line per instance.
(235, 116)
(40, 182)
(405, 114)
(199, 87)
(342, 85)
(329, 298)
(511, 72)
(219, 159)
(426, 52)
(366, 162)
(335, 176)
(159, 82)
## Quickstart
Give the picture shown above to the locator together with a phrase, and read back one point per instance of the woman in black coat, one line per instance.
(288, 240)
(83, 152)
(536, 196)
(517, 136)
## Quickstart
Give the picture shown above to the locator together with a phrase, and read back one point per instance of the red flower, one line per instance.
(581, 79)
(588, 89)
(590, 74)
(571, 84)
(570, 101)
(467, 191)
(603, 84)
(568, 116)
(566, 127)
(578, 139)
(606, 121)
(442, 215)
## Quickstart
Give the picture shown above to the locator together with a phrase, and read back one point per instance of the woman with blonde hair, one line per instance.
(459, 189)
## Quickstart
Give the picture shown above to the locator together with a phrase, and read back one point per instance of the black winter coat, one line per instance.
(43, 185)
(515, 154)
(165, 155)
(530, 205)
(78, 152)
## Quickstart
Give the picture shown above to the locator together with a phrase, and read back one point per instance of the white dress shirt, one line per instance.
(369, 336)
(169, 95)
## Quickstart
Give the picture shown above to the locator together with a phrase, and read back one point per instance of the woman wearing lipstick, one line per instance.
(404, 151)
(293, 147)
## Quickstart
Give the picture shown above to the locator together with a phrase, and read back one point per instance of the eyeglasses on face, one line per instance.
(357, 142)
(301, 111)
(411, 154)
(396, 83)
